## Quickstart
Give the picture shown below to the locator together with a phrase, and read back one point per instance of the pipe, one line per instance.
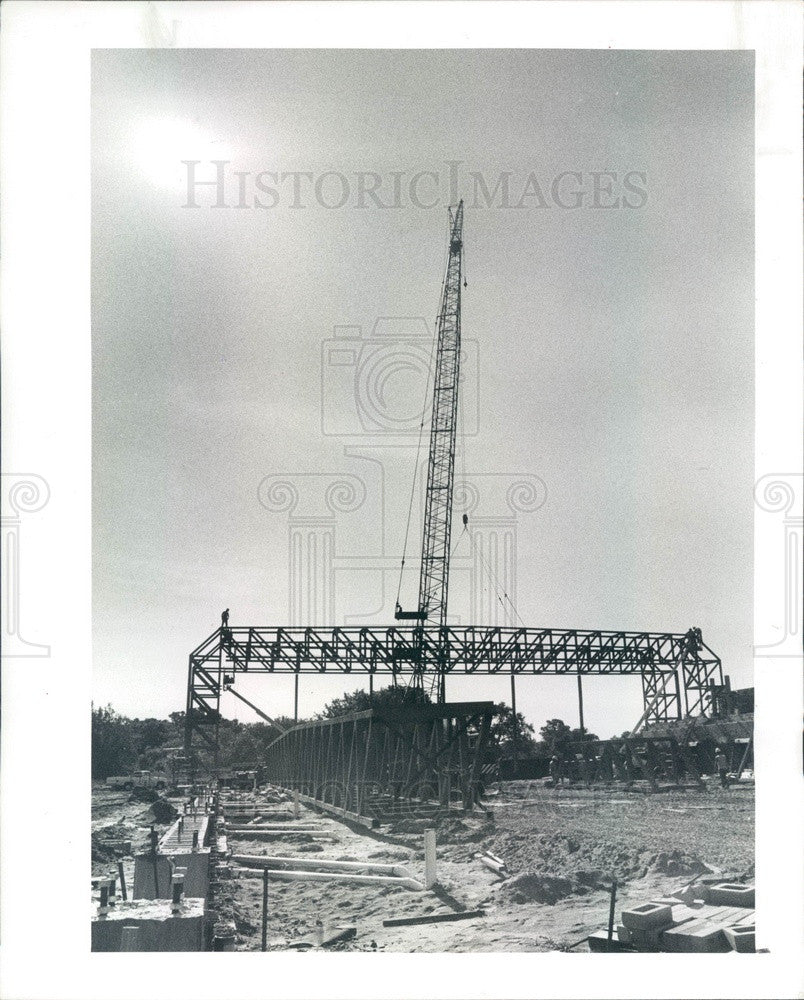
(305, 876)
(269, 860)
(268, 828)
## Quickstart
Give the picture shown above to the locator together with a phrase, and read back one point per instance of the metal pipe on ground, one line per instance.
(311, 876)
(266, 828)
(267, 860)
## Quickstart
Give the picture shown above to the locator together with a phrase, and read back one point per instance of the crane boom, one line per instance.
(434, 573)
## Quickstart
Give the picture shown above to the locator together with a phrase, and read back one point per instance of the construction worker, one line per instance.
(722, 766)
(555, 771)
(465, 520)
(225, 619)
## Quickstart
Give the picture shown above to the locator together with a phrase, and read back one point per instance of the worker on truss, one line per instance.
(225, 619)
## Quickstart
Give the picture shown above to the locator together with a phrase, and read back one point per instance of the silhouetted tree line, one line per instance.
(121, 745)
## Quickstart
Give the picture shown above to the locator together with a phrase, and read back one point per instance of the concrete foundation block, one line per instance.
(741, 937)
(731, 894)
(623, 934)
(648, 917)
(158, 928)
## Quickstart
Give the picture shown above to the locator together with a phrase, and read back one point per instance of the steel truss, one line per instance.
(679, 672)
(374, 765)
(627, 759)
(434, 572)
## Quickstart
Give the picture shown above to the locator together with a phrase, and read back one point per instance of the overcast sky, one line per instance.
(613, 340)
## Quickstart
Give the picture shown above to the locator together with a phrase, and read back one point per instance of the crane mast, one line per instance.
(434, 572)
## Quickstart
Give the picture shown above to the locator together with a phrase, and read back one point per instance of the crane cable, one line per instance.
(461, 419)
(495, 582)
(465, 531)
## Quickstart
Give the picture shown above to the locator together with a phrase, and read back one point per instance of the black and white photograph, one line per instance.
(436, 543)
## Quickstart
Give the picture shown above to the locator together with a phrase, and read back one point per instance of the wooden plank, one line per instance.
(433, 918)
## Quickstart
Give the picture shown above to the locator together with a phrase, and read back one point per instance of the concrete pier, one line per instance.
(158, 928)
(152, 873)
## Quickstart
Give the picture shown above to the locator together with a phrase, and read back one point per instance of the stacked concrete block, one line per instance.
(706, 931)
(730, 894)
(648, 917)
(695, 936)
(643, 925)
(741, 937)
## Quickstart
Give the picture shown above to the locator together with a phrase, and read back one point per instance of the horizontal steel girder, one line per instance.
(451, 649)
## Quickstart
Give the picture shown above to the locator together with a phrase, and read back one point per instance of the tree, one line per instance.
(151, 733)
(506, 736)
(386, 698)
(553, 734)
(113, 749)
(583, 736)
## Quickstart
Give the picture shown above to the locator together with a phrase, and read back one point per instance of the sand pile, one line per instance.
(162, 811)
(537, 888)
(587, 863)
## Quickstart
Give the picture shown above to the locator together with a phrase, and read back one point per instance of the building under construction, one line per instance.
(420, 760)
(681, 677)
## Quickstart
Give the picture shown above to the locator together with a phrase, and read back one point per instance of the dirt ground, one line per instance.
(562, 848)
(120, 818)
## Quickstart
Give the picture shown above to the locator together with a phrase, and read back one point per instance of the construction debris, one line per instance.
(495, 864)
(433, 918)
(669, 924)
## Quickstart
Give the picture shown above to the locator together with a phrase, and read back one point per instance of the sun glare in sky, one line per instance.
(160, 145)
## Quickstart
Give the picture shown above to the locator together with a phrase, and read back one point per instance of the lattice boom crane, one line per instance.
(680, 674)
(434, 572)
